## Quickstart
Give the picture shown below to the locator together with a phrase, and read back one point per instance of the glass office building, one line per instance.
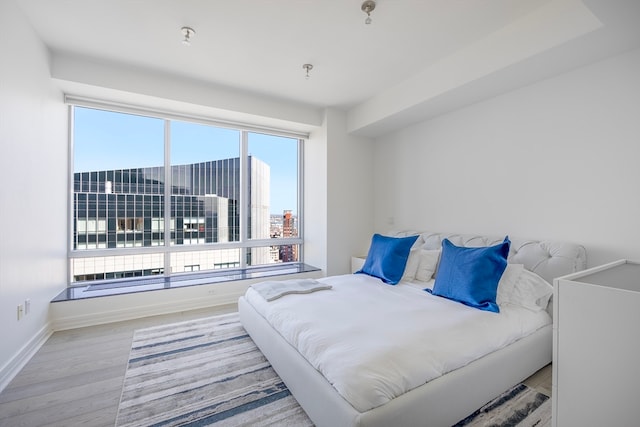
(125, 208)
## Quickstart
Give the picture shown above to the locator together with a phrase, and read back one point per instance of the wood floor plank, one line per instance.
(67, 403)
(541, 381)
(67, 369)
(93, 339)
(99, 418)
(45, 386)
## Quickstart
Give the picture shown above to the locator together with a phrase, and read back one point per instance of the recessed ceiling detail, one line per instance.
(431, 56)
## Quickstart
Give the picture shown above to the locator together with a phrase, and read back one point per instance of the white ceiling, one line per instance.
(259, 46)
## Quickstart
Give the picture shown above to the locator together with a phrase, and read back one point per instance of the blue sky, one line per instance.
(106, 140)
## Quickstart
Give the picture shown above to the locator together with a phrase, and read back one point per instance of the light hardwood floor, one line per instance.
(76, 378)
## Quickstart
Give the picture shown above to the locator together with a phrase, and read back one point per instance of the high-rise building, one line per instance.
(125, 208)
(288, 224)
(288, 253)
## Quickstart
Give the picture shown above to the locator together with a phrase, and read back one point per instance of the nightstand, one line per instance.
(596, 347)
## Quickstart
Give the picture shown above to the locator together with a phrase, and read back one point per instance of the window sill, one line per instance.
(154, 283)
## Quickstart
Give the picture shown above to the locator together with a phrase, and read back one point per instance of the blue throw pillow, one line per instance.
(387, 257)
(471, 275)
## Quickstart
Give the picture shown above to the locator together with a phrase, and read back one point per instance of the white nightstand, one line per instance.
(357, 262)
(596, 346)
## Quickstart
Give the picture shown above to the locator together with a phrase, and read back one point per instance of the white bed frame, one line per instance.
(447, 399)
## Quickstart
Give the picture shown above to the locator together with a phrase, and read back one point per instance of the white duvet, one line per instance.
(374, 342)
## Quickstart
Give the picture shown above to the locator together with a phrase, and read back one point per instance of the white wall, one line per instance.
(33, 194)
(350, 194)
(558, 159)
(338, 195)
(315, 198)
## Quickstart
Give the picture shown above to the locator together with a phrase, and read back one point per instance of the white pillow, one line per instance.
(532, 291)
(411, 267)
(428, 264)
(507, 283)
(519, 286)
(421, 265)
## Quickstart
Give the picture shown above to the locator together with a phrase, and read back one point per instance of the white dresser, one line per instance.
(596, 347)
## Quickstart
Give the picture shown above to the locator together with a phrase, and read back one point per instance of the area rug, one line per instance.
(209, 372)
(203, 372)
(520, 406)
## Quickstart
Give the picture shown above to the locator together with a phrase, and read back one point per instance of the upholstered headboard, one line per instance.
(548, 259)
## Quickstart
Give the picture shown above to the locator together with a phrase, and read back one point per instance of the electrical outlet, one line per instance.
(20, 311)
(27, 306)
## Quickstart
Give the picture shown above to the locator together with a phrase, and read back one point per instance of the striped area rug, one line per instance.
(209, 372)
(203, 372)
(520, 406)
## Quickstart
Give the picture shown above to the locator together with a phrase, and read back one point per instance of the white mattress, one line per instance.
(374, 342)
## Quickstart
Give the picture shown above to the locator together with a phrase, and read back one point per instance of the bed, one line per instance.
(371, 370)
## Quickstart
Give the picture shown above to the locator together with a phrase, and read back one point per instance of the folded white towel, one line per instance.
(275, 290)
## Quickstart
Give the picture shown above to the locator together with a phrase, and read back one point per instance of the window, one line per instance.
(153, 195)
(128, 225)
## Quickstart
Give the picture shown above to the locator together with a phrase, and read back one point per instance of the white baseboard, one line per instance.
(20, 359)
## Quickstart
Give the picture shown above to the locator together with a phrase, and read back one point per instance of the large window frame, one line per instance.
(167, 249)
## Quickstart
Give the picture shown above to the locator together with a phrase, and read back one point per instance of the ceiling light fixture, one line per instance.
(187, 32)
(307, 67)
(367, 7)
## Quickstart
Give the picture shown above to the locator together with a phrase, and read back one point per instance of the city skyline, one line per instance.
(127, 209)
(105, 140)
